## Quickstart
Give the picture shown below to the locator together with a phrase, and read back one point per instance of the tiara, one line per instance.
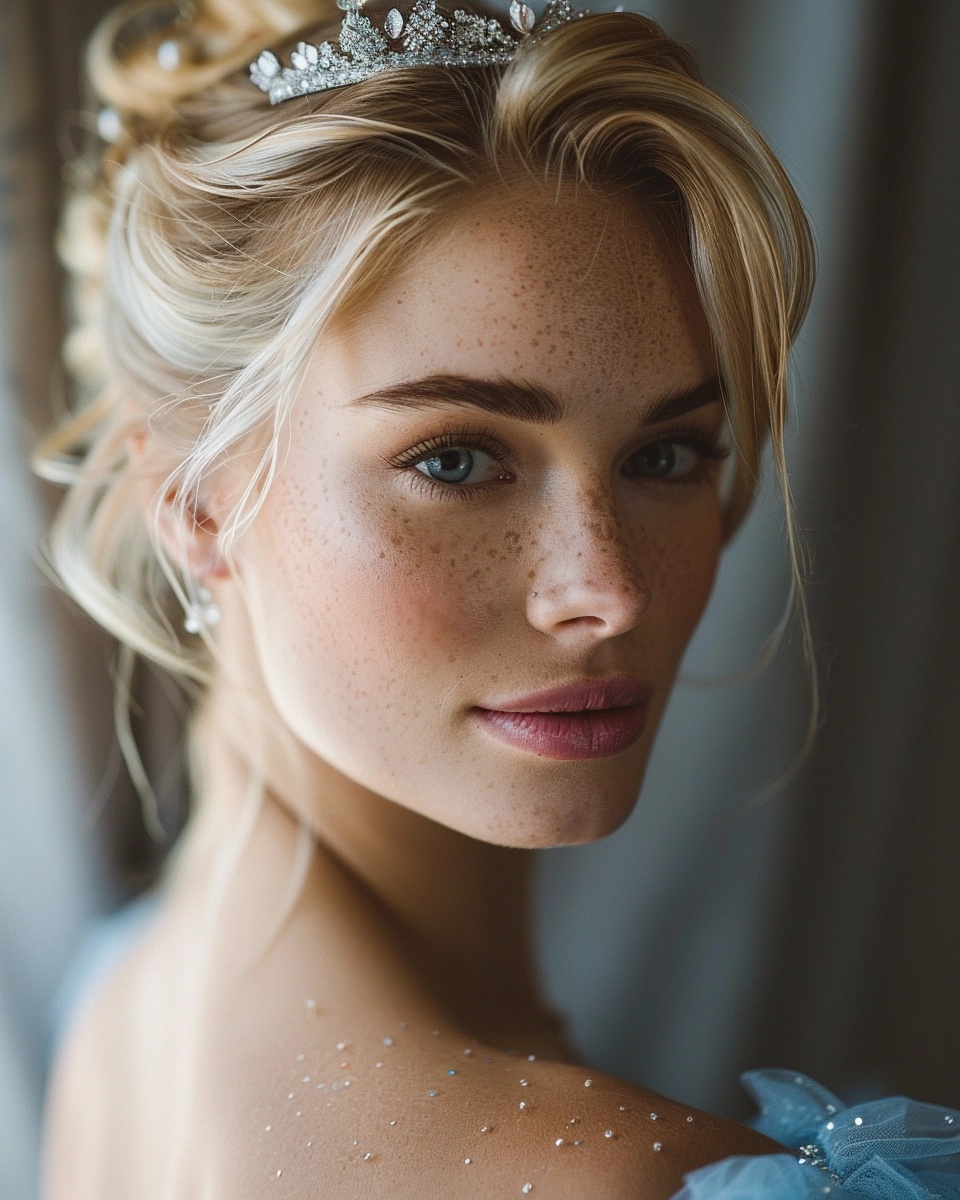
(427, 37)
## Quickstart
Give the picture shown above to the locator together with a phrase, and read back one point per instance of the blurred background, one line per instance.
(730, 924)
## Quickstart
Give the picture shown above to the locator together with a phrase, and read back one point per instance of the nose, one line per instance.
(589, 581)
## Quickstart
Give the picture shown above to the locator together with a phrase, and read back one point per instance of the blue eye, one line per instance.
(458, 464)
(662, 460)
(685, 457)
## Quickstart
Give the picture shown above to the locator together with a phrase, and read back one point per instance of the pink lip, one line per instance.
(594, 718)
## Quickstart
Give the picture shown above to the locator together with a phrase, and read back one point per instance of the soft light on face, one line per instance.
(415, 562)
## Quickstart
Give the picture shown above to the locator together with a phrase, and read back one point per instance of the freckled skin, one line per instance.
(373, 588)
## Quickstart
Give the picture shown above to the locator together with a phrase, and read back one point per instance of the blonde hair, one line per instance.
(222, 234)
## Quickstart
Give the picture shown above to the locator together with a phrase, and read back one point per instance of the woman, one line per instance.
(433, 360)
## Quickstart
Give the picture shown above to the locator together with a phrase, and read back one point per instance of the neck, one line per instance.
(463, 907)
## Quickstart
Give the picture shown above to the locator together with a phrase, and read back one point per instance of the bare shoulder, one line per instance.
(410, 1113)
(84, 1079)
(575, 1133)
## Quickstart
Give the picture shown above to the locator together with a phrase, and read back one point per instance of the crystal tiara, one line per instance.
(427, 37)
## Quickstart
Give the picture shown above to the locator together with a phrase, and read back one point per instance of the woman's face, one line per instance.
(478, 504)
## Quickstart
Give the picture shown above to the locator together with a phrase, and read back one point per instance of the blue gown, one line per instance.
(889, 1149)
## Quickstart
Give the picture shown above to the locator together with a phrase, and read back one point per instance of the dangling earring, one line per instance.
(202, 613)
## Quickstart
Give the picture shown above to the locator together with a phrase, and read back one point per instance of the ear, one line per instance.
(188, 532)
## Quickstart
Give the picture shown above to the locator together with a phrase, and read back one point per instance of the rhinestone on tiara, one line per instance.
(427, 36)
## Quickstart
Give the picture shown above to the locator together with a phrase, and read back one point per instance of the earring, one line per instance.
(203, 612)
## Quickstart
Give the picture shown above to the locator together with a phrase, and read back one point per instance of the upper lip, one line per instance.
(619, 691)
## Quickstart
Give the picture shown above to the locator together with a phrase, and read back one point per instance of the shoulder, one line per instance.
(94, 1101)
(83, 1078)
(423, 1116)
(587, 1134)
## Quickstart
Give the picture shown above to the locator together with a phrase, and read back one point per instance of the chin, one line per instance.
(575, 820)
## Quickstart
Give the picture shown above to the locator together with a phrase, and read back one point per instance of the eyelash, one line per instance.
(467, 438)
(709, 447)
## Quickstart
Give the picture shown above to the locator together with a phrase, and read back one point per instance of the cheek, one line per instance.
(683, 569)
(365, 601)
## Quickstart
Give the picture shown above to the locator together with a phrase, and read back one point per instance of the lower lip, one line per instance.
(597, 733)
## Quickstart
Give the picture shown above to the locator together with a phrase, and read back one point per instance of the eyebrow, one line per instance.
(522, 401)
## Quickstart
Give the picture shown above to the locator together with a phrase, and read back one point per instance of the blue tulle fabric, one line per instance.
(889, 1149)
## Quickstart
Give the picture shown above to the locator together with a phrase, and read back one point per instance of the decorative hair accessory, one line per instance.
(427, 37)
(202, 613)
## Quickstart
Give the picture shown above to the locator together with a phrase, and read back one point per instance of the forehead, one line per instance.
(577, 294)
